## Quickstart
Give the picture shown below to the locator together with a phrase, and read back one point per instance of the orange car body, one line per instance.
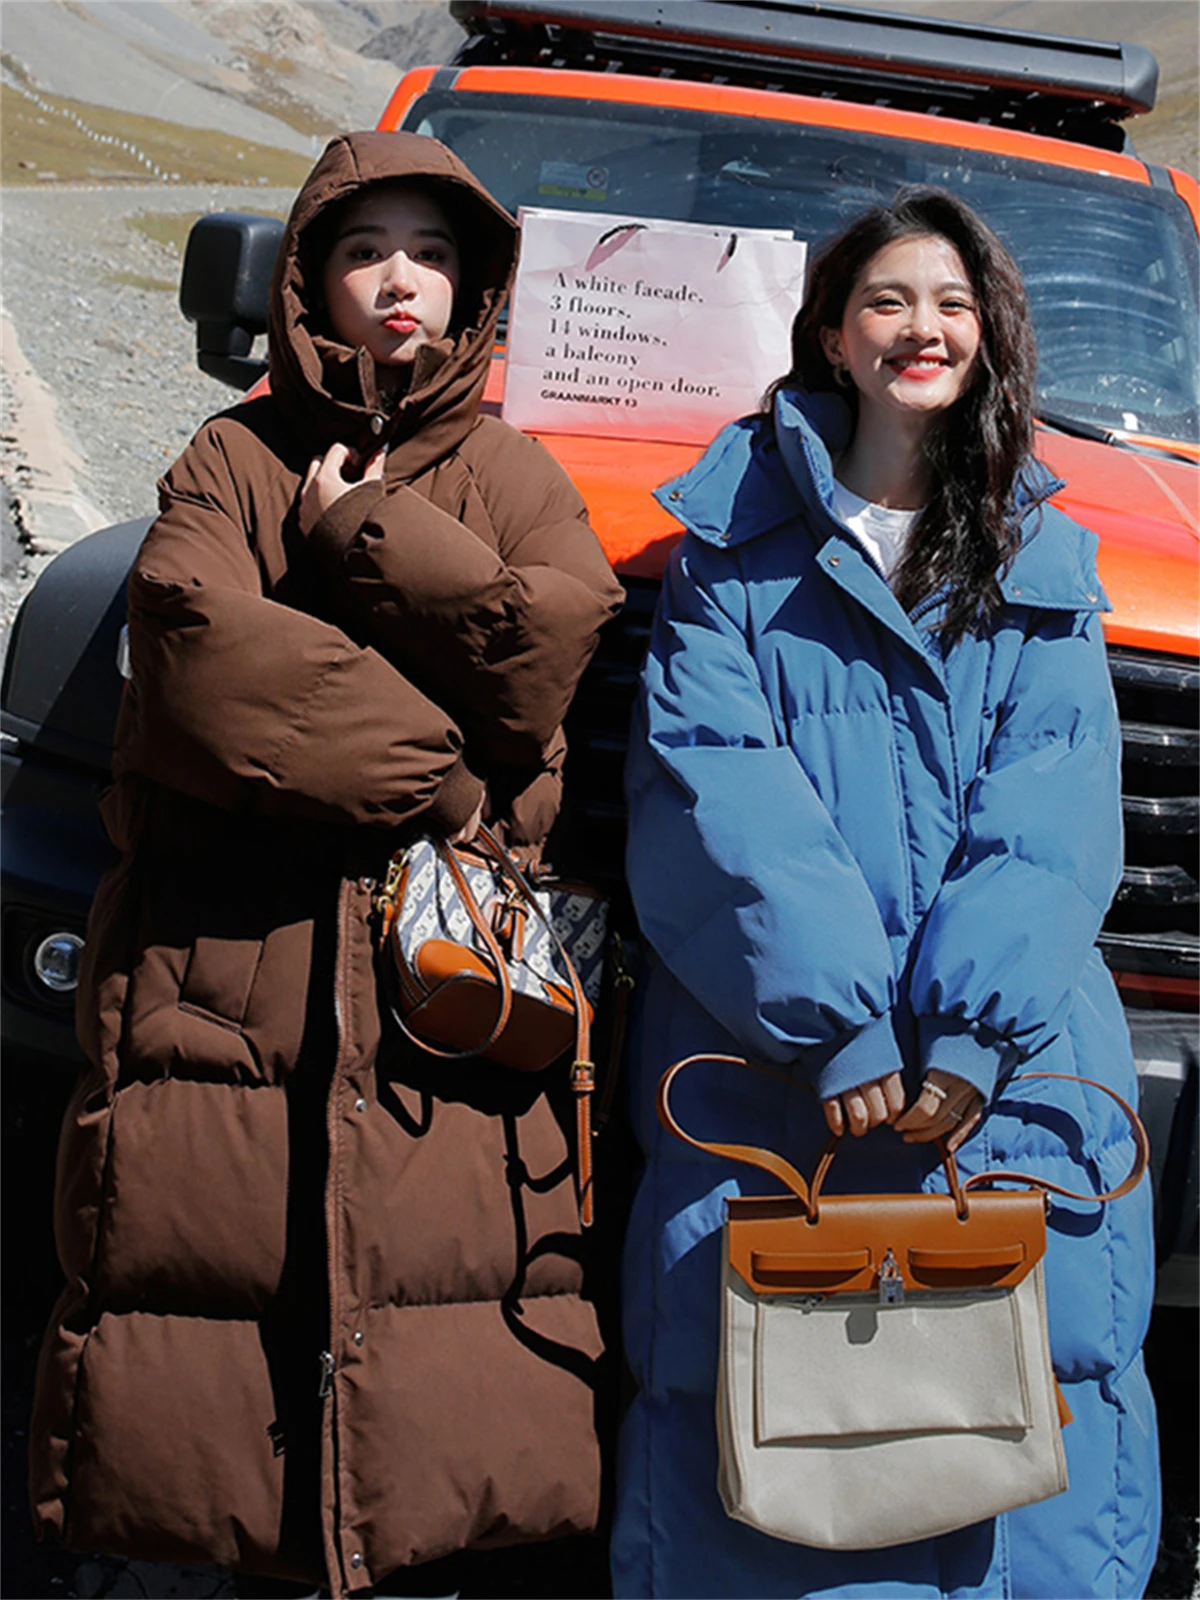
(1144, 508)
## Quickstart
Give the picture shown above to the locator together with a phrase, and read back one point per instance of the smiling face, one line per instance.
(392, 275)
(911, 331)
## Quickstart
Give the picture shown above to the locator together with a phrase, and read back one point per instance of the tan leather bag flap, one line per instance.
(775, 1249)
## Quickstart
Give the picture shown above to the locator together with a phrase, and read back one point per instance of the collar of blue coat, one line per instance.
(748, 480)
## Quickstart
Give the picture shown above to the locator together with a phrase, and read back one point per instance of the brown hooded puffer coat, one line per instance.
(323, 1315)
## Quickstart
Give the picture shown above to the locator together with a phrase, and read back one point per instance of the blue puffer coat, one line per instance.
(853, 852)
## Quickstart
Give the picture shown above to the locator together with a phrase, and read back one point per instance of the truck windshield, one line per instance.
(1110, 266)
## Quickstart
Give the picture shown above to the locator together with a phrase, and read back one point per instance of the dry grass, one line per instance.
(46, 148)
(140, 280)
(277, 100)
(171, 228)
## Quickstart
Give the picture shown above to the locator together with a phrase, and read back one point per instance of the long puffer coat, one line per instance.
(853, 852)
(323, 1314)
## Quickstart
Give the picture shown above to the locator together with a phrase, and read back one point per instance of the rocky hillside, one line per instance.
(285, 74)
(280, 73)
(1170, 29)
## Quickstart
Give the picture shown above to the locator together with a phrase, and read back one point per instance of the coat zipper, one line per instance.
(326, 1385)
(327, 1359)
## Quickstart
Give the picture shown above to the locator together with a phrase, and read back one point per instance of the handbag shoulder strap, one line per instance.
(583, 1071)
(1141, 1159)
(529, 897)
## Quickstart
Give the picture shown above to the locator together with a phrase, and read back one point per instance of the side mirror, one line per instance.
(225, 288)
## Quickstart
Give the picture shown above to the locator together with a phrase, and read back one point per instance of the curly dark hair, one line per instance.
(968, 533)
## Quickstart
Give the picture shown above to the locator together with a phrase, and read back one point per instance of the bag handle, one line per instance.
(753, 1155)
(491, 955)
(769, 1161)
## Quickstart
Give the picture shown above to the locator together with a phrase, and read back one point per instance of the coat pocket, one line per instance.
(849, 755)
(219, 978)
(813, 1368)
(194, 1211)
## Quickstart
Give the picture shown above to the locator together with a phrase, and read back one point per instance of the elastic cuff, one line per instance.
(333, 533)
(870, 1053)
(968, 1050)
(459, 793)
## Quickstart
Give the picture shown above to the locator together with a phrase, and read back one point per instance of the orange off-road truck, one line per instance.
(790, 117)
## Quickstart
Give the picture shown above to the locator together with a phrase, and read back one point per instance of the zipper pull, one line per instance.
(891, 1284)
(326, 1384)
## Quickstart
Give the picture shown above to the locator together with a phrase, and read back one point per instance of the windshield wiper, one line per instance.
(1092, 430)
(1077, 429)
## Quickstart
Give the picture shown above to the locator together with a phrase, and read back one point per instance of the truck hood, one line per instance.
(1144, 509)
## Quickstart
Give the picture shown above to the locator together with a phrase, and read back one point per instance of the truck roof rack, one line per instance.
(1069, 88)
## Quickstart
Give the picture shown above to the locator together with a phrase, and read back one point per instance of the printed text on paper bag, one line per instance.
(644, 329)
(592, 326)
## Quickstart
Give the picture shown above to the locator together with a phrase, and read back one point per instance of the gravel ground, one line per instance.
(119, 357)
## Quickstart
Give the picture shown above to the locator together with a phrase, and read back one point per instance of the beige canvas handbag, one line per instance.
(885, 1365)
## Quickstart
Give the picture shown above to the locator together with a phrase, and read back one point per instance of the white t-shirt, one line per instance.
(881, 530)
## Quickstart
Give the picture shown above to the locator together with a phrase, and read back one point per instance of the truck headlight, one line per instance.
(56, 962)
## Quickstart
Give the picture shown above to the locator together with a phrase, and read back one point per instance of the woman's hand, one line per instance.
(326, 481)
(867, 1106)
(947, 1108)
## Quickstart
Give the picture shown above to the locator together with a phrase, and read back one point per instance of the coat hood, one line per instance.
(328, 390)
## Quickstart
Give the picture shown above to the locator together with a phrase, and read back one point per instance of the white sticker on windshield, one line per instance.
(573, 180)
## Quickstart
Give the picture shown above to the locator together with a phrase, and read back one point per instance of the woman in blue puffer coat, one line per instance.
(875, 827)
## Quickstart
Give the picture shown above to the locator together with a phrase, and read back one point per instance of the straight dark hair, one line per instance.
(966, 537)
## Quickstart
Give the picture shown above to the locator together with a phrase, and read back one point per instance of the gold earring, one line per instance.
(841, 376)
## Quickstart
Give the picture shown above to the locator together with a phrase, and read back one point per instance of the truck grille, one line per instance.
(1153, 924)
(590, 839)
(1152, 927)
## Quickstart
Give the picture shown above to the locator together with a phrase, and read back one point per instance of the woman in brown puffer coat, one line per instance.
(323, 1316)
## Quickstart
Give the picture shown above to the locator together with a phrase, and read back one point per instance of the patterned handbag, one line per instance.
(487, 963)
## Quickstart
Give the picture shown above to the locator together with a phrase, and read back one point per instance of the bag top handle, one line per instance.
(782, 1169)
(753, 1155)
